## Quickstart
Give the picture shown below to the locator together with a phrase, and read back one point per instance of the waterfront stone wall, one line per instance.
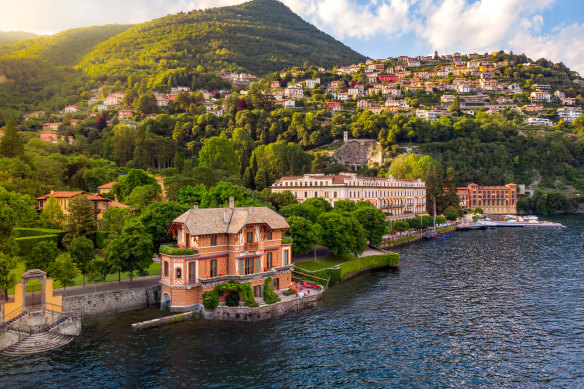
(94, 304)
(263, 312)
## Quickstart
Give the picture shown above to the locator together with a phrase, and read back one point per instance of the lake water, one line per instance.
(489, 308)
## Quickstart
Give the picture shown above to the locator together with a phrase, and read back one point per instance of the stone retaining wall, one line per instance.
(264, 312)
(94, 304)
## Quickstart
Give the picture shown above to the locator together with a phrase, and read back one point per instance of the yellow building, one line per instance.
(391, 195)
(106, 188)
(100, 203)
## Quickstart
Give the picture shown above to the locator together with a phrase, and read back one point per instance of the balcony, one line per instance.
(251, 246)
(245, 278)
(175, 250)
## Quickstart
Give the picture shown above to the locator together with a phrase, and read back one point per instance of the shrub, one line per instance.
(269, 296)
(26, 244)
(169, 250)
(100, 237)
(232, 299)
(452, 216)
(245, 291)
(210, 299)
(289, 292)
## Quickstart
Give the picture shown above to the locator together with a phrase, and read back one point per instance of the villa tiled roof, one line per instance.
(109, 185)
(60, 195)
(209, 221)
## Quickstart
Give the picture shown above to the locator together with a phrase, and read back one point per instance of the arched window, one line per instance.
(178, 272)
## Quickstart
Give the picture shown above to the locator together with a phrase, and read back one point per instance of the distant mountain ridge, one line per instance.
(9, 37)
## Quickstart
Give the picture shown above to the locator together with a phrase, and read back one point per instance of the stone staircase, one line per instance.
(37, 343)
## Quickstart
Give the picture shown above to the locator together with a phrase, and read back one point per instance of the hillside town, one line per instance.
(427, 87)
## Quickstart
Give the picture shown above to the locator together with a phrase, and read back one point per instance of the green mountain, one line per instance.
(65, 48)
(39, 72)
(9, 37)
(258, 37)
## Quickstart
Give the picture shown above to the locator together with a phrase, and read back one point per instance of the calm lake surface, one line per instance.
(487, 309)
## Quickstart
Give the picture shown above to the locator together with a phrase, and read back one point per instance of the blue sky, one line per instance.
(377, 28)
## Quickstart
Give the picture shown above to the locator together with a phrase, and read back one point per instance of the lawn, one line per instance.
(35, 285)
(324, 263)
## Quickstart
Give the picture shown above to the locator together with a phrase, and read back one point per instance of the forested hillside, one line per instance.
(40, 72)
(9, 37)
(258, 37)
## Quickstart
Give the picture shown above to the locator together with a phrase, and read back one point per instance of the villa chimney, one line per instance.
(196, 206)
(231, 202)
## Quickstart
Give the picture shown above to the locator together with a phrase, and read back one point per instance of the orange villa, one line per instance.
(227, 244)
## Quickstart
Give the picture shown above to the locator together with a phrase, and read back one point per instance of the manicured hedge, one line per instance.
(24, 232)
(26, 244)
(356, 265)
(100, 237)
(168, 250)
(366, 263)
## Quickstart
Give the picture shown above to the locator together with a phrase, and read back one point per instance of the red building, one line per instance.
(492, 199)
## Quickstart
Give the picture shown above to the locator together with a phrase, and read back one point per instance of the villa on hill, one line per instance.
(100, 203)
(224, 244)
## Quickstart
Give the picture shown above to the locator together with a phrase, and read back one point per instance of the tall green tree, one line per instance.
(342, 233)
(157, 217)
(63, 269)
(11, 145)
(373, 220)
(132, 250)
(42, 256)
(15, 210)
(52, 215)
(191, 195)
(115, 218)
(82, 252)
(219, 153)
(81, 219)
(7, 279)
(305, 234)
(126, 184)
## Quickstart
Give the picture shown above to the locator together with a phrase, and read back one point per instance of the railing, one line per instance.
(16, 324)
(251, 246)
(240, 278)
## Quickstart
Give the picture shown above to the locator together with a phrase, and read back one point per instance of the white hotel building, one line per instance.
(391, 195)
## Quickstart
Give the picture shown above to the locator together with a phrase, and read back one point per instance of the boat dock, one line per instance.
(513, 224)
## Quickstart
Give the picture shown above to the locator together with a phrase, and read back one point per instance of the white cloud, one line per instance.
(346, 18)
(428, 25)
(565, 45)
(204, 4)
